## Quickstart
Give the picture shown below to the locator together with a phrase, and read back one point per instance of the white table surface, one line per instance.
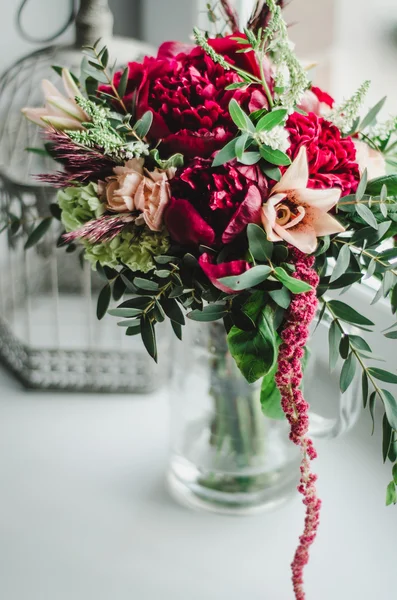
(85, 515)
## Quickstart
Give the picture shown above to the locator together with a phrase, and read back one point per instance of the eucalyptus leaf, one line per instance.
(122, 87)
(249, 279)
(296, 286)
(38, 232)
(367, 215)
(370, 117)
(212, 312)
(173, 310)
(334, 337)
(374, 186)
(143, 125)
(103, 301)
(149, 337)
(271, 119)
(260, 247)
(387, 436)
(342, 263)
(347, 313)
(239, 117)
(383, 375)
(274, 157)
(146, 284)
(225, 155)
(362, 186)
(390, 405)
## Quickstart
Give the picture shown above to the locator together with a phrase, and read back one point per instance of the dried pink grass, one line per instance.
(288, 379)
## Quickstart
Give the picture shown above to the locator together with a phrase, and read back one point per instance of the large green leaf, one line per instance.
(296, 286)
(347, 313)
(249, 279)
(226, 154)
(260, 247)
(255, 352)
(271, 119)
(374, 187)
(240, 118)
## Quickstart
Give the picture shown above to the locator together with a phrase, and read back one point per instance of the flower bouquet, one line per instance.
(214, 179)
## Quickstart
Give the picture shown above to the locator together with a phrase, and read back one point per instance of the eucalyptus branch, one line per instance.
(367, 253)
(110, 79)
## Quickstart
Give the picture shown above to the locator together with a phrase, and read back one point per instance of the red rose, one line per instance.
(226, 198)
(187, 96)
(331, 158)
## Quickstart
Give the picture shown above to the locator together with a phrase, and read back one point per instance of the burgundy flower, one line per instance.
(185, 90)
(226, 198)
(332, 159)
(215, 272)
(323, 96)
(185, 225)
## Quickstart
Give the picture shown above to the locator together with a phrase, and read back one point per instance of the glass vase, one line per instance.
(226, 456)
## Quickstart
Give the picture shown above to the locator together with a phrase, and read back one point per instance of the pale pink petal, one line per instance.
(69, 84)
(297, 219)
(302, 236)
(49, 89)
(62, 123)
(35, 115)
(296, 176)
(268, 217)
(67, 107)
(323, 223)
(324, 200)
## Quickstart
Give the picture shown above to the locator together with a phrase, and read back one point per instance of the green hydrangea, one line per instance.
(79, 205)
(134, 249)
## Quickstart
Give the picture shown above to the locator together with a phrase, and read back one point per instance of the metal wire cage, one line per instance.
(49, 334)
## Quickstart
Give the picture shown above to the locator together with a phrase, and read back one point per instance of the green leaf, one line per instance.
(372, 236)
(364, 386)
(394, 471)
(348, 372)
(334, 337)
(212, 312)
(271, 172)
(103, 301)
(271, 119)
(392, 335)
(38, 233)
(249, 279)
(255, 352)
(137, 302)
(372, 401)
(260, 248)
(367, 215)
(237, 85)
(390, 405)
(296, 286)
(271, 397)
(163, 259)
(362, 186)
(359, 343)
(344, 346)
(374, 186)
(134, 329)
(122, 87)
(240, 145)
(391, 494)
(239, 117)
(177, 328)
(125, 312)
(127, 323)
(342, 263)
(383, 375)
(142, 126)
(274, 157)
(347, 313)
(387, 436)
(225, 155)
(250, 158)
(149, 337)
(173, 310)
(281, 297)
(371, 115)
(146, 284)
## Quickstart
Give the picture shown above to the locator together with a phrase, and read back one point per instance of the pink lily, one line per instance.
(298, 214)
(60, 112)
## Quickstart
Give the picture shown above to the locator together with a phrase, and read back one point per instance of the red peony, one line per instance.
(185, 90)
(213, 205)
(332, 159)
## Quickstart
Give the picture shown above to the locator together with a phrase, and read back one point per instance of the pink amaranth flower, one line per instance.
(288, 379)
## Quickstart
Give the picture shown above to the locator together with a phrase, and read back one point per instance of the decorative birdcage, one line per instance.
(49, 334)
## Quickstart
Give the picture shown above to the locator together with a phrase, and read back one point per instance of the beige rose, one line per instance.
(133, 188)
(370, 159)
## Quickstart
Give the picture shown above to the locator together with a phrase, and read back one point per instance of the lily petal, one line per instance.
(62, 123)
(302, 237)
(35, 115)
(49, 89)
(324, 200)
(296, 176)
(323, 223)
(70, 85)
(67, 107)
